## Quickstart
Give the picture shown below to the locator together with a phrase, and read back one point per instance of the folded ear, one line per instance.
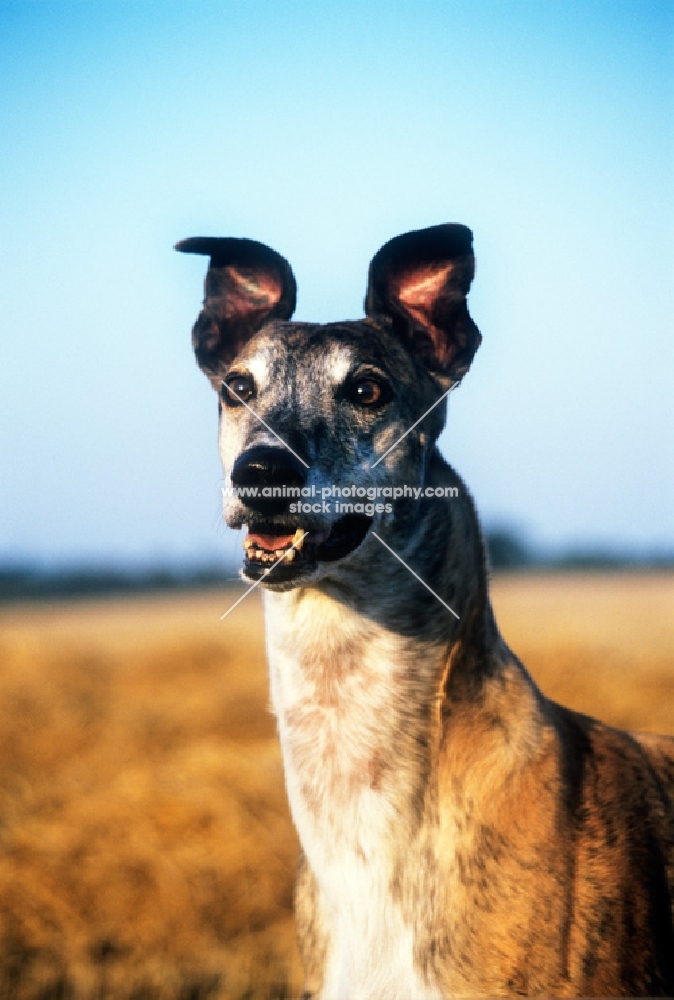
(246, 285)
(420, 280)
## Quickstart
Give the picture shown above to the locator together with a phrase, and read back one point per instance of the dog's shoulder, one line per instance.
(659, 752)
(615, 785)
(619, 826)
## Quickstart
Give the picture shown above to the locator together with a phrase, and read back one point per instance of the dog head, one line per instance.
(315, 419)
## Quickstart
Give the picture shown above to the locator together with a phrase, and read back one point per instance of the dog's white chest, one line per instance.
(372, 950)
(336, 688)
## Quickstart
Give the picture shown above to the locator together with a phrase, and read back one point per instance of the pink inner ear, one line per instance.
(249, 293)
(419, 290)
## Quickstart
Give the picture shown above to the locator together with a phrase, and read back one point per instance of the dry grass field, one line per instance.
(146, 851)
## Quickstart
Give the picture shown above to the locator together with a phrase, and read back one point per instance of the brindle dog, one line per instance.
(462, 835)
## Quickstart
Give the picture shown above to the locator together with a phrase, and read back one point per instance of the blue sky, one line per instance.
(324, 129)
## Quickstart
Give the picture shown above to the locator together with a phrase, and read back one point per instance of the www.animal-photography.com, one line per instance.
(344, 672)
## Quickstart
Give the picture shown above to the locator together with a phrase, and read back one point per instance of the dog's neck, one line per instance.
(359, 668)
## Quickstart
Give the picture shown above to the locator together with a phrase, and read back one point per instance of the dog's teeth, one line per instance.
(264, 556)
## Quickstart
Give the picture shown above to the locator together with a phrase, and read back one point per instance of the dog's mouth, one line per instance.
(283, 552)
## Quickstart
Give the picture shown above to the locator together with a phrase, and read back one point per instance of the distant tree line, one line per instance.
(508, 551)
(28, 584)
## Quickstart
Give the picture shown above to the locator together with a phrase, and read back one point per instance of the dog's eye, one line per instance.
(369, 392)
(237, 389)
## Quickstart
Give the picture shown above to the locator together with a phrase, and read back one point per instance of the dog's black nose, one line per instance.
(269, 474)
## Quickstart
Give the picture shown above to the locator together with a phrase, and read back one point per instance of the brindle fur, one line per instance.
(462, 834)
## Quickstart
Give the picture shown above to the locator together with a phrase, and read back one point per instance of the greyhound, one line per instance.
(461, 834)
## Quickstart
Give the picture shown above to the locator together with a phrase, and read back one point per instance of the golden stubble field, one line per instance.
(146, 851)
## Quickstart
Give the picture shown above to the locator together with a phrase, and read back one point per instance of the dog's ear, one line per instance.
(246, 285)
(420, 280)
